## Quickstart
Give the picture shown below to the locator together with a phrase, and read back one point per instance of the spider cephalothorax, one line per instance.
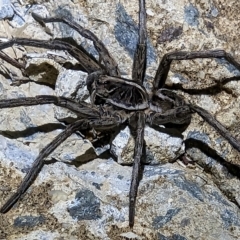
(115, 101)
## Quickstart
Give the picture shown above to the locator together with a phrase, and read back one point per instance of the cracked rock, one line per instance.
(161, 147)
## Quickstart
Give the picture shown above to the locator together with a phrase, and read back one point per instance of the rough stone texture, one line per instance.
(6, 10)
(174, 202)
(70, 84)
(161, 147)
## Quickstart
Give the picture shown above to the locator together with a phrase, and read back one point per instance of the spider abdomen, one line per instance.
(120, 92)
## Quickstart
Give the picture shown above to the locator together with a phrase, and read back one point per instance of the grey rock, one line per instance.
(160, 221)
(86, 207)
(161, 147)
(173, 237)
(229, 66)
(28, 221)
(70, 84)
(191, 15)
(126, 32)
(170, 34)
(214, 11)
(191, 187)
(6, 10)
(230, 218)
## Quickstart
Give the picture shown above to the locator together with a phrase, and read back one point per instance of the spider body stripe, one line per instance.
(120, 92)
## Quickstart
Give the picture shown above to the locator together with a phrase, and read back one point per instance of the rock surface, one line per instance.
(75, 198)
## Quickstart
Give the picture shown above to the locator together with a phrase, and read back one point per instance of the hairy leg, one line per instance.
(81, 109)
(12, 61)
(138, 133)
(139, 62)
(85, 60)
(39, 162)
(217, 125)
(164, 66)
(94, 121)
(109, 62)
(138, 123)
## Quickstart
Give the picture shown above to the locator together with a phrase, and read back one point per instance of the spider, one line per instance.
(115, 101)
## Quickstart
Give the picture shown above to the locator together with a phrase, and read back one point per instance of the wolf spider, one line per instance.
(115, 101)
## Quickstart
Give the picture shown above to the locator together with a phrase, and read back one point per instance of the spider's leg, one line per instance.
(138, 72)
(139, 119)
(182, 114)
(139, 62)
(11, 61)
(217, 125)
(165, 63)
(39, 162)
(81, 109)
(92, 120)
(109, 62)
(85, 60)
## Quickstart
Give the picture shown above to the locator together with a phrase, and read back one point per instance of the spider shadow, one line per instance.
(233, 169)
(29, 131)
(218, 87)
